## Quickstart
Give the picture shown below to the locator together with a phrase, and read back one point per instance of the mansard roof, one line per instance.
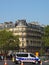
(21, 23)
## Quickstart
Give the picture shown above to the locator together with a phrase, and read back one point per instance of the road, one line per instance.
(9, 62)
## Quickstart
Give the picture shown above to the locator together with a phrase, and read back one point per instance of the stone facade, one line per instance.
(30, 35)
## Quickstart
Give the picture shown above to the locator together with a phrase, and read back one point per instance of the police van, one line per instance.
(26, 57)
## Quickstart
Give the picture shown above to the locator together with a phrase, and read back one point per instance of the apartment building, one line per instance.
(9, 25)
(1, 26)
(30, 35)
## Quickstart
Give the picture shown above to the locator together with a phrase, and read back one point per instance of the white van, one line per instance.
(26, 57)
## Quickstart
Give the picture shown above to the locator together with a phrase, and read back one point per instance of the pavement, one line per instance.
(9, 62)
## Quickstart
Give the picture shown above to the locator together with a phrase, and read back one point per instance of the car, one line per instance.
(46, 61)
(26, 57)
(44, 58)
(1, 57)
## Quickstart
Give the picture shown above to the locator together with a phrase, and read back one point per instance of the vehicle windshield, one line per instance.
(22, 55)
(32, 55)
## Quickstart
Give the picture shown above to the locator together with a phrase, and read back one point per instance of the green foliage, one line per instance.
(8, 41)
(46, 35)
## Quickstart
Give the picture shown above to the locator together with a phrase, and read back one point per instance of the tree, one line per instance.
(8, 41)
(46, 35)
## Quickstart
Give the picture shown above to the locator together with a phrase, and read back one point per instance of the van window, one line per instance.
(32, 55)
(22, 55)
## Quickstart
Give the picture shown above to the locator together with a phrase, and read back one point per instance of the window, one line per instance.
(32, 55)
(27, 42)
(22, 55)
(31, 42)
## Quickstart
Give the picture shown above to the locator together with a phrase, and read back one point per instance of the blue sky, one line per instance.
(31, 10)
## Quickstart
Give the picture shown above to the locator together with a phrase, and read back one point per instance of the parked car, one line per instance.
(45, 58)
(1, 56)
(26, 57)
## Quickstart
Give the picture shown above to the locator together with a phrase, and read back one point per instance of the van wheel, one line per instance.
(16, 62)
(19, 62)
